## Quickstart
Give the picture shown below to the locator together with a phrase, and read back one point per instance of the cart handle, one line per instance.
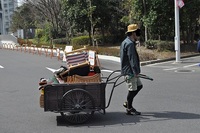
(109, 77)
(115, 84)
(120, 75)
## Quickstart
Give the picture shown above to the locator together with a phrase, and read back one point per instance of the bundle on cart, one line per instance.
(96, 78)
(82, 66)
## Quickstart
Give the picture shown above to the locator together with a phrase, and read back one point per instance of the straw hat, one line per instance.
(132, 27)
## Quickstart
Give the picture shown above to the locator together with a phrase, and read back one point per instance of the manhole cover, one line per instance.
(184, 71)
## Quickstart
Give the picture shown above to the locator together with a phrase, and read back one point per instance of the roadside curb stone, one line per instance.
(117, 59)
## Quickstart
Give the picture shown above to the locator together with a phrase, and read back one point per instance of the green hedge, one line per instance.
(85, 40)
(110, 39)
(81, 40)
(60, 41)
(160, 45)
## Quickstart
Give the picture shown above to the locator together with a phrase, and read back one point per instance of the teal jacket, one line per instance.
(130, 62)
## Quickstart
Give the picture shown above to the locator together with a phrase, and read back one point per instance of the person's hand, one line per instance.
(133, 75)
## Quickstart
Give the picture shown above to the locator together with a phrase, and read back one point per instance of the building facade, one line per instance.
(7, 8)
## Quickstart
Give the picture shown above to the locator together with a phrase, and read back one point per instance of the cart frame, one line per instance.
(77, 102)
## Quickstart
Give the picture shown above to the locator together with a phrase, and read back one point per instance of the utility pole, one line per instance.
(177, 32)
(177, 4)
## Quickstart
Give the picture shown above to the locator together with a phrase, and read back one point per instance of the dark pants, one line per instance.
(198, 46)
(131, 95)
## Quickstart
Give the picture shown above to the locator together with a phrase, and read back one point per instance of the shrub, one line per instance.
(109, 39)
(61, 41)
(81, 40)
(150, 44)
(160, 45)
(145, 56)
(106, 51)
(21, 41)
(24, 41)
(85, 40)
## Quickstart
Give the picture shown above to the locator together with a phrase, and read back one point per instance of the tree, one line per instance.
(109, 18)
(50, 10)
(158, 17)
(103, 16)
(189, 20)
(22, 19)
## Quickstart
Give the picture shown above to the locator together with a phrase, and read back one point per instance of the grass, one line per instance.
(144, 53)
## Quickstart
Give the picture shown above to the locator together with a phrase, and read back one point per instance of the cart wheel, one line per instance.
(77, 106)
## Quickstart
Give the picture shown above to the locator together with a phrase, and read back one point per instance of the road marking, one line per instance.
(164, 67)
(155, 64)
(51, 69)
(110, 71)
(191, 65)
(171, 69)
(1, 66)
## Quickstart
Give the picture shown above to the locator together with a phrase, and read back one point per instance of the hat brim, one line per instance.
(131, 31)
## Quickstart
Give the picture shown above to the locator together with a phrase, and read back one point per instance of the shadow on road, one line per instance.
(112, 119)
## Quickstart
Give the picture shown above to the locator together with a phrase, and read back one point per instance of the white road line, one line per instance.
(110, 71)
(164, 67)
(51, 69)
(1, 66)
(160, 63)
(191, 65)
(171, 69)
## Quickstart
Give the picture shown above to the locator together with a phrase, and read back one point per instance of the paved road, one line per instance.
(169, 104)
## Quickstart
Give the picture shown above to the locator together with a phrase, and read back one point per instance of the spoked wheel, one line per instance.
(77, 106)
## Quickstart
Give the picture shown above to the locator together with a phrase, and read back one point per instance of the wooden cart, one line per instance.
(77, 102)
(80, 96)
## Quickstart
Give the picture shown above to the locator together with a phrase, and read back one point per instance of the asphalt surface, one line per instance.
(169, 104)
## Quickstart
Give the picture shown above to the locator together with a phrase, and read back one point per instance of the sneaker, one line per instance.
(128, 111)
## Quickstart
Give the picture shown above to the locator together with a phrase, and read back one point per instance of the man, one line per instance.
(198, 46)
(130, 67)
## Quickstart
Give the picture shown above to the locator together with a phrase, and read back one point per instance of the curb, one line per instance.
(164, 60)
(117, 59)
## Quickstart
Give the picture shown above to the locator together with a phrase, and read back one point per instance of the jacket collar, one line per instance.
(131, 39)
